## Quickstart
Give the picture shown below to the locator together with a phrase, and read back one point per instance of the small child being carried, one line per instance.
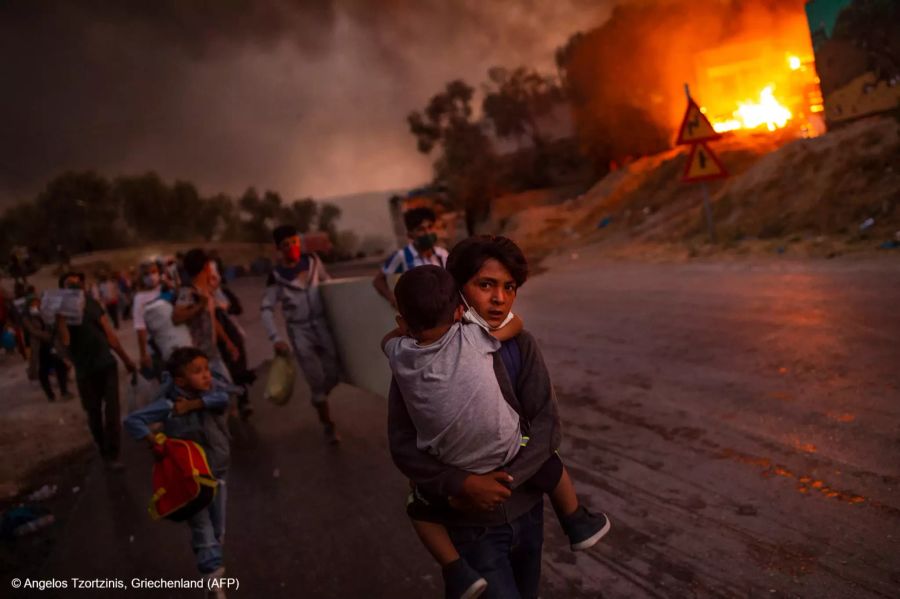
(444, 369)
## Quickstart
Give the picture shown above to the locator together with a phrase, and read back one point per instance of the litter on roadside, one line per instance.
(24, 520)
(45, 492)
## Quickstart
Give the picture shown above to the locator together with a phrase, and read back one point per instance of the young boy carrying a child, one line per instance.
(192, 405)
(444, 369)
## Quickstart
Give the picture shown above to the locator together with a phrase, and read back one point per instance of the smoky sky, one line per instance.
(306, 97)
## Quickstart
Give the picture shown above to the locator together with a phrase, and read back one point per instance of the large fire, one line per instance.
(767, 112)
(757, 86)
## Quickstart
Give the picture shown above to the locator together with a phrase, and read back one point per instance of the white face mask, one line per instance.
(470, 315)
(214, 279)
(151, 280)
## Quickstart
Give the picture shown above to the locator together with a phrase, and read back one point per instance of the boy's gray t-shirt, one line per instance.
(453, 398)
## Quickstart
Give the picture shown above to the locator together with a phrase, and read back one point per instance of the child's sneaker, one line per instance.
(584, 529)
(461, 581)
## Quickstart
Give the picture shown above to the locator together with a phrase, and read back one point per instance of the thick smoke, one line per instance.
(304, 96)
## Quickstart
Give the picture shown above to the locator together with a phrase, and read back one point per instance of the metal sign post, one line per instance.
(707, 207)
(702, 164)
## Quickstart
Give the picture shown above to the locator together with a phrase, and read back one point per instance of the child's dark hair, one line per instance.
(282, 232)
(469, 255)
(66, 275)
(195, 261)
(181, 357)
(414, 217)
(427, 297)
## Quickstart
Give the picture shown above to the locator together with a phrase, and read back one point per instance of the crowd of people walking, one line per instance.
(472, 416)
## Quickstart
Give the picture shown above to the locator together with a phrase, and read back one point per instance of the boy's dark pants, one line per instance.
(99, 392)
(113, 311)
(48, 361)
(507, 555)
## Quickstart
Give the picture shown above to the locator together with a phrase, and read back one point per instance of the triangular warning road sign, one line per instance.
(695, 126)
(703, 165)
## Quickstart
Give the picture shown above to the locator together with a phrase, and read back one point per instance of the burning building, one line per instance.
(846, 65)
(749, 64)
(761, 85)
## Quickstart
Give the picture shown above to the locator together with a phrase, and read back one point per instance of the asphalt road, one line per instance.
(739, 423)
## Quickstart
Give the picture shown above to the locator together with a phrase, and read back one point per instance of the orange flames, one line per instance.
(757, 86)
(767, 112)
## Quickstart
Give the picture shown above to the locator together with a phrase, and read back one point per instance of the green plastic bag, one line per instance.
(280, 384)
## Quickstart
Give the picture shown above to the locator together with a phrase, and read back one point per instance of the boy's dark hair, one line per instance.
(469, 255)
(416, 216)
(283, 232)
(426, 297)
(66, 275)
(181, 357)
(195, 261)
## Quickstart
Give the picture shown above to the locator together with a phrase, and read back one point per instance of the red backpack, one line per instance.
(182, 481)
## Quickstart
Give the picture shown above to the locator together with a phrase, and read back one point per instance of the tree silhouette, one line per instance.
(301, 214)
(144, 199)
(466, 161)
(84, 211)
(328, 217)
(515, 102)
(260, 214)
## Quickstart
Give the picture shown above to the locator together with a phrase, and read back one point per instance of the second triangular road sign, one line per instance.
(703, 165)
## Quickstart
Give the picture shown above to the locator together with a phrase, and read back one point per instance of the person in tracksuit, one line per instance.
(294, 283)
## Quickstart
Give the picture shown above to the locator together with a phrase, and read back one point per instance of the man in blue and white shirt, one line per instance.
(422, 249)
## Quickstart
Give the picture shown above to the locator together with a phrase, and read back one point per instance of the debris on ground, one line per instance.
(45, 492)
(24, 520)
(783, 191)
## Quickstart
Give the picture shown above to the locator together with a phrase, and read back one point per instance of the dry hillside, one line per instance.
(781, 192)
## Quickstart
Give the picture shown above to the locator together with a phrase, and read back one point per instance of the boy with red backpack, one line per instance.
(192, 405)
